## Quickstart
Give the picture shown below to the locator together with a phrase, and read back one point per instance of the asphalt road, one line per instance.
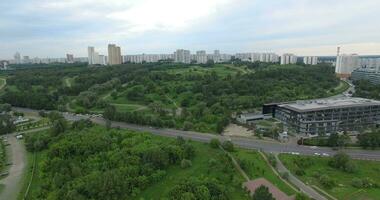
(295, 181)
(242, 142)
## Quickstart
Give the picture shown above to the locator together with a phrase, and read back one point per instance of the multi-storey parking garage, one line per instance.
(325, 116)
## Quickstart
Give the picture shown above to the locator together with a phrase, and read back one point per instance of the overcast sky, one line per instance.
(52, 28)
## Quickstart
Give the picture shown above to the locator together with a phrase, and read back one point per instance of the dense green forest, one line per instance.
(83, 161)
(367, 90)
(200, 98)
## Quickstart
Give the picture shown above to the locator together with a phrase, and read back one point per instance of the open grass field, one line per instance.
(343, 189)
(255, 166)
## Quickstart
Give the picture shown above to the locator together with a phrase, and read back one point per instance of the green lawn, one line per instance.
(343, 189)
(255, 166)
(339, 89)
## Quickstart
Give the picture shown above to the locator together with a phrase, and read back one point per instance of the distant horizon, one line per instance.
(53, 28)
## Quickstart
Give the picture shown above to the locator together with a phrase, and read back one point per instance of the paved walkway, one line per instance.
(294, 180)
(17, 154)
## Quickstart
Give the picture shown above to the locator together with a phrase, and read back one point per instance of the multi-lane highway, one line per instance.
(242, 142)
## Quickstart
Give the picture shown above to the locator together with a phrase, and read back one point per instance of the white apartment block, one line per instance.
(147, 58)
(182, 56)
(254, 57)
(94, 58)
(288, 58)
(346, 64)
(310, 60)
(201, 57)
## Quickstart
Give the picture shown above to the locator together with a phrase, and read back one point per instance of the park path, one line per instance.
(16, 154)
(12, 183)
(3, 85)
(298, 183)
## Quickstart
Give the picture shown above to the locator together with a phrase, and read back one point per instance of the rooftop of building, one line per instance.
(330, 103)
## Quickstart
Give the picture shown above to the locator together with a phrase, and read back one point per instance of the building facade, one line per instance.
(288, 58)
(370, 74)
(346, 64)
(310, 60)
(182, 56)
(69, 58)
(326, 116)
(114, 55)
(201, 57)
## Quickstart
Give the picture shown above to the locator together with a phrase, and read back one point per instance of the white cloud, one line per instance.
(166, 14)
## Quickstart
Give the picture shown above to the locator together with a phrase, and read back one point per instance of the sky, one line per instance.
(52, 28)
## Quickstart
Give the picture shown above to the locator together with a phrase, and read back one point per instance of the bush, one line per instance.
(228, 146)
(363, 183)
(272, 160)
(186, 164)
(343, 162)
(285, 175)
(327, 182)
(214, 143)
(300, 172)
(302, 196)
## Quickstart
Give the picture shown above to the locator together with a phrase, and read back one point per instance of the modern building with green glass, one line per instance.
(326, 116)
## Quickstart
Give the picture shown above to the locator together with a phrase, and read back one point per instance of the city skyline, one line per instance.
(162, 26)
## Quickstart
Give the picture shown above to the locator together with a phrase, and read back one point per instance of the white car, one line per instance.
(19, 137)
(325, 154)
(317, 154)
(294, 153)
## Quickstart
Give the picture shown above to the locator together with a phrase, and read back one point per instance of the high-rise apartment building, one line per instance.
(182, 56)
(288, 58)
(310, 60)
(114, 55)
(346, 64)
(201, 57)
(91, 55)
(69, 58)
(17, 58)
(94, 58)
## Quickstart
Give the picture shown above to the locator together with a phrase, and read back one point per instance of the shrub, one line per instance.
(302, 196)
(285, 175)
(300, 172)
(326, 181)
(186, 163)
(272, 160)
(228, 146)
(214, 143)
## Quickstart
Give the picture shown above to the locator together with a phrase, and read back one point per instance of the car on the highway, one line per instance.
(317, 154)
(325, 154)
